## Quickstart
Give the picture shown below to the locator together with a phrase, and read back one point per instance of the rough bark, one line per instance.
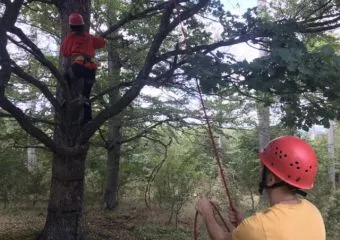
(111, 199)
(65, 209)
(263, 125)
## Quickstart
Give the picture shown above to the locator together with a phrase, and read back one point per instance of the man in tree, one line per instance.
(80, 47)
(289, 165)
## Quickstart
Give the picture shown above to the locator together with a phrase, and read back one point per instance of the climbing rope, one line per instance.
(225, 224)
(219, 164)
(213, 143)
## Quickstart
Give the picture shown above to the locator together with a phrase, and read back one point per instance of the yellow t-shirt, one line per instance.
(301, 221)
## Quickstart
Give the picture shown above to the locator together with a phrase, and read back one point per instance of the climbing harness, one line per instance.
(210, 133)
(85, 59)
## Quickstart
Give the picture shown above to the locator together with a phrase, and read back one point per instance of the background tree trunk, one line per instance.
(331, 153)
(114, 134)
(32, 162)
(263, 115)
(263, 112)
(111, 199)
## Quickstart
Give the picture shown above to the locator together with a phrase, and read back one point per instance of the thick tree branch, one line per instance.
(315, 19)
(131, 17)
(323, 23)
(11, 14)
(26, 123)
(244, 38)
(20, 45)
(6, 23)
(320, 29)
(204, 47)
(320, 8)
(30, 79)
(37, 52)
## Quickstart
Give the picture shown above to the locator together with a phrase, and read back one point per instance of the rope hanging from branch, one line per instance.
(210, 133)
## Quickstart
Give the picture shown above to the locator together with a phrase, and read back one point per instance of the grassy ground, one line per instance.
(128, 222)
(131, 221)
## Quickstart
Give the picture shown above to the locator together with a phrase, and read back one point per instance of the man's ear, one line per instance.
(271, 179)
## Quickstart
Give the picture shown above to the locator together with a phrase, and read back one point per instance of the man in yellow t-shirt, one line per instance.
(289, 165)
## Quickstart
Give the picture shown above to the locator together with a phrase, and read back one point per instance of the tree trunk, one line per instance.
(113, 161)
(263, 115)
(66, 204)
(65, 209)
(263, 112)
(32, 162)
(6, 199)
(331, 153)
(111, 199)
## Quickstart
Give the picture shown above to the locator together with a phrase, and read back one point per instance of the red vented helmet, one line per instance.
(292, 160)
(75, 19)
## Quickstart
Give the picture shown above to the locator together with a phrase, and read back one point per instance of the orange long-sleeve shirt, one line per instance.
(81, 45)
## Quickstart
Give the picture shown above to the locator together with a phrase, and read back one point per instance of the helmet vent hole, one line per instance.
(272, 164)
(277, 148)
(289, 176)
(280, 156)
(297, 168)
(275, 153)
(291, 164)
(298, 179)
(285, 155)
(310, 167)
(306, 170)
(296, 162)
(281, 152)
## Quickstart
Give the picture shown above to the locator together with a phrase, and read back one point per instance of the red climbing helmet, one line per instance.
(75, 19)
(292, 160)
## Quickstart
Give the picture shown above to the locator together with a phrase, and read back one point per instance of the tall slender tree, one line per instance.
(331, 152)
(263, 110)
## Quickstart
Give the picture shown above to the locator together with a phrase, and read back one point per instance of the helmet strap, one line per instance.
(263, 185)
